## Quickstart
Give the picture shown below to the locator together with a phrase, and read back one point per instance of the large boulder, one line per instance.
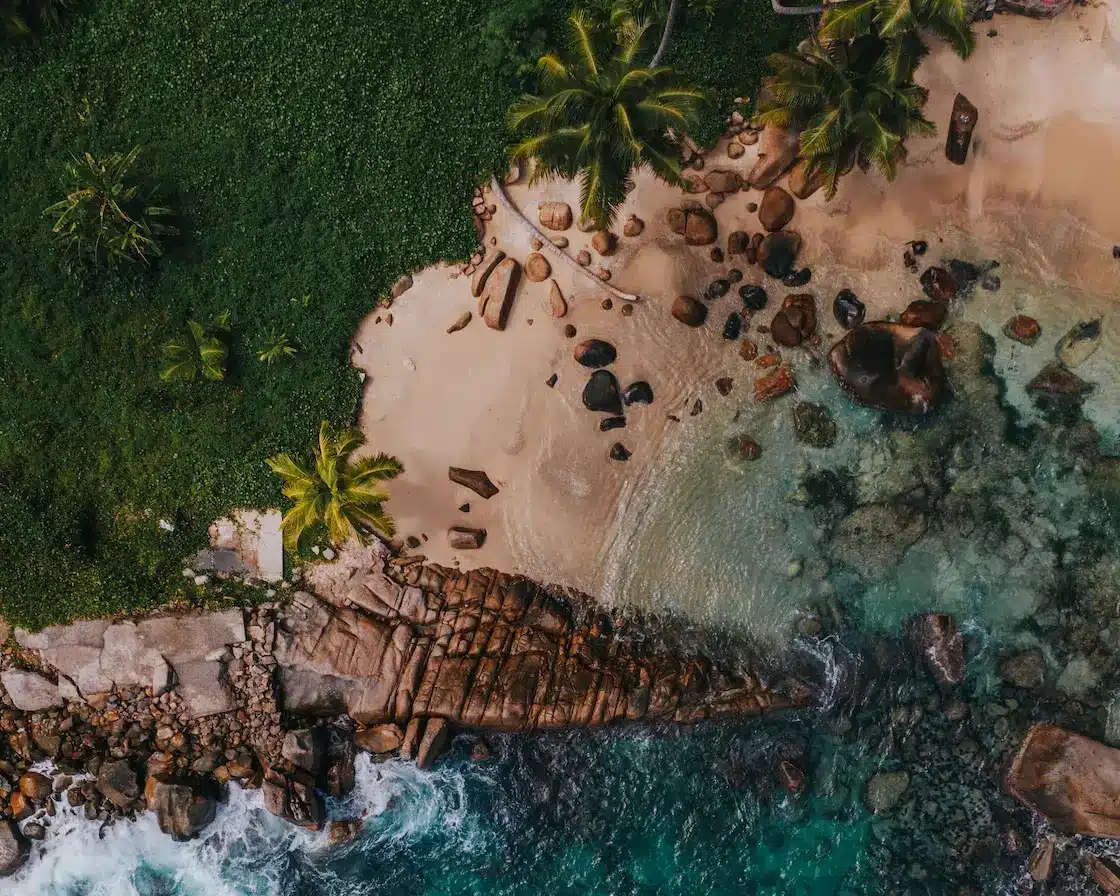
(118, 783)
(938, 284)
(723, 180)
(777, 209)
(962, 122)
(14, 848)
(1036, 9)
(805, 179)
(36, 787)
(778, 251)
(884, 790)
(379, 739)
(937, 641)
(294, 798)
(303, 748)
(874, 537)
(476, 480)
(890, 367)
(601, 394)
(777, 151)
(483, 271)
(182, 808)
(501, 287)
(30, 691)
(1069, 779)
(433, 743)
(555, 215)
(537, 267)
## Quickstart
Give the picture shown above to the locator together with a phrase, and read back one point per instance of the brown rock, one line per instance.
(937, 641)
(501, 287)
(412, 734)
(633, 226)
(379, 739)
(20, 806)
(536, 243)
(735, 150)
(939, 284)
(583, 258)
(1105, 871)
(713, 200)
(460, 322)
(748, 351)
(962, 122)
(400, 286)
(737, 242)
(555, 215)
(476, 480)
(805, 179)
(784, 332)
(344, 831)
(560, 242)
(723, 385)
(35, 787)
(694, 184)
(14, 848)
(464, 538)
(478, 282)
(890, 367)
(604, 242)
(537, 267)
(1023, 329)
(778, 148)
(556, 301)
(434, 742)
(777, 209)
(748, 138)
(181, 808)
(1055, 379)
(1070, 780)
(690, 311)
(776, 383)
(923, 313)
(1041, 861)
(723, 180)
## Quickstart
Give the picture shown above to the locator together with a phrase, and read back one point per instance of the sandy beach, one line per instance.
(1040, 184)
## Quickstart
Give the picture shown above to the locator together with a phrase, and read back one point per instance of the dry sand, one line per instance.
(1041, 182)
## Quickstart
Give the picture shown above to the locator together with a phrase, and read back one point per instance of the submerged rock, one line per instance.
(921, 313)
(937, 641)
(813, 425)
(1079, 344)
(848, 309)
(733, 325)
(1025, 670)
(1056, 379)
(885, 790)
(890, 367)
(1023, 329)
(938, 284)
(601, 394)
(873, 538)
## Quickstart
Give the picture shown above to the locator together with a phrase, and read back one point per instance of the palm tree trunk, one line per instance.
(795, 10)
(515, 212)
(670, 19)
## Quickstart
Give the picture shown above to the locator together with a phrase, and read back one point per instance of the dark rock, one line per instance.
(606, 304)
(552, 381)
(717, 289)
(966, 274)
(14, 848)
(795, 279)
(696, 225)
(1055, 379)
(744, 448)
(716, 255)
(601, 394)
(962, 122)
(293, 798)
(34, 831)
(476, 480)
(733, 326)
(790, 776)
(619, 452)
(609, 423)
(697, 407)
(690, 311)
(1023, 329)
(1024, 670)
(595, 353)
(638, 392)
(923, 313)
(723, 385)
(753, 247)
(813, 424)
(884, 790)
(118, 783)
(569, 331)
(481, 752)
(737, 242)
(754, 297)
(464, 538)
(890, 367)
(801, 311)
(339, 774)
(938, 643)
(182, 808)
(873, 539)
(777, 209)
(938, 284)
(919, 247)
(734, 275)
(848, 309)
(777, 253)
(991, 283)
(784, 332)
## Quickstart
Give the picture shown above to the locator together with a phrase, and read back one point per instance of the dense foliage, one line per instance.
(601, 114)
(312, 151)
(341, 495)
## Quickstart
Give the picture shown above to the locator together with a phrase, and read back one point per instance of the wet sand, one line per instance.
(1040, 184)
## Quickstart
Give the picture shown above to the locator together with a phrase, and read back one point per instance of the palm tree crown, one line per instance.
(600, 115)
(898, 22)
(341, 495)
(197, 354)
(850, 105)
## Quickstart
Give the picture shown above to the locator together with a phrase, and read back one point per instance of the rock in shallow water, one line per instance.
(754, 297)
(890, 367)
(1079, 344)
(601, 394)
(884, 790)
(732, 326)
(813, 424)
(937, 641)
(938, 284)
(873, 538)
(595, 353)
(14, 848)
(690, 311)
(1023, 329)
(848, 309)
(638, 392)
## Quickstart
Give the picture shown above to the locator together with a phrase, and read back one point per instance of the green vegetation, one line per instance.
(105, 218)
(19, 18)
(850, 108)
(602, 115)
(197, 354)
(276, 347)
(312, 152)
(334, 493)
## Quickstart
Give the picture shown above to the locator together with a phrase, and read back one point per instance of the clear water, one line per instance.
(700, 811)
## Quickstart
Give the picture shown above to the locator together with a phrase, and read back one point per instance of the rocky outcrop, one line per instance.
(485, 650)
(890, 367)
(14, 848)
(777, 151)
(1069, 779)
(181, 807)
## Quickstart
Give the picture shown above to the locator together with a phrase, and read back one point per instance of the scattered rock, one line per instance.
(716, 255)
(748, 350)
(557, 304)
(555, 215)
(723, 180)
(619, 452)
(552, 381)
(805, 179)
(697, 407)
(1079, 344)
(735, 150)
(784, 332)
(627, 309)
(303, 747)
(182, 808)
(1023, 329)
(537, 267)
(583, 259)
(697, 226)
(991, 283)
(938, 284)
(402, 285)
(754, 297)
(536, 243)
(604, 242)
(962, 122)
(734, 275)
(633, 226)
(890, 367)
(733, 325)
(744, 448)
(737, 242)
(813, 424)
(723, 385)
(460, 322)
(714, 200)
(717, 289)
(36, 787)
(848, 310)
(638, 392)
(1025, 670)
(694, 184)
(778, 251)
(30, 691)
(774, 384)
(603, 273)
(747, 138)
(1056, 380)
(606, 304)
(464, 538)
(609, 423)
(595, 353)
(690, 311)
(874, 537)
(1041, 861)
(884, 790)
(570, 331)
(476, 480)
(344, 830)
(777, 209)
(560, 242)
(798, 278)
(601, 394)
(501, 287)
(118, 783)
(478, 283)
(463, 508)
(923, 313)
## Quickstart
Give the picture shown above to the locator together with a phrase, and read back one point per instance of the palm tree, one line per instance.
(850, 105)
(898, 22)
(341, 495)
(197, 354)
(601, 115)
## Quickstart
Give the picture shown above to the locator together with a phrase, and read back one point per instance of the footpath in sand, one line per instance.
(1039, 183)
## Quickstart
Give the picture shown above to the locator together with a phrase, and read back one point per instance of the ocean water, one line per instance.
(634, 812)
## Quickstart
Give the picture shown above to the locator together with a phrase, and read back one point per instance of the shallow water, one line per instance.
(731, 544)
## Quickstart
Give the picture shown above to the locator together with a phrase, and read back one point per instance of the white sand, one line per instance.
(1040, 181)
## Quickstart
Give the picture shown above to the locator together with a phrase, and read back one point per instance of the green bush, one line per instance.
(21, 17)
(318, 150)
